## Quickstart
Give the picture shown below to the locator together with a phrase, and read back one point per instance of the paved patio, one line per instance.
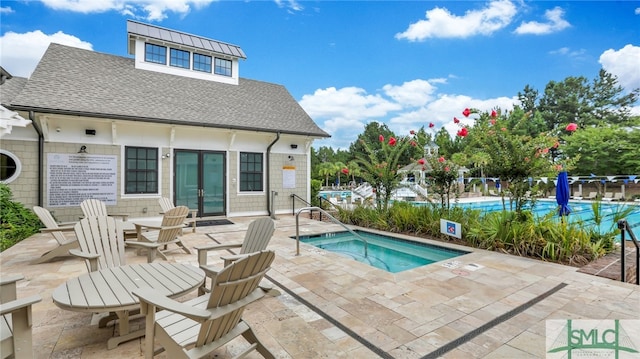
(331, 307)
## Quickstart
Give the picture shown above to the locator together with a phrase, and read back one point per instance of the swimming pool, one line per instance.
(581, 211)
(384, 252)
(333, 194)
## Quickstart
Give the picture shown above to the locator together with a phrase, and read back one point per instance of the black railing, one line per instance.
(295, 197)
(623, 225)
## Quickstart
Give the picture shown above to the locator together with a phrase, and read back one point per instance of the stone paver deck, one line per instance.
(332, 307)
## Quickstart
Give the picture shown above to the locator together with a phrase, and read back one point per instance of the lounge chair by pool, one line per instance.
(608, 196)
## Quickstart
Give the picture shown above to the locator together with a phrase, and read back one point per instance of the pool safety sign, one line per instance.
(450, 228)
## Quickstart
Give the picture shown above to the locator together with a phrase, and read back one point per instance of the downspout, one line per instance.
(32, 117)
(272, 215)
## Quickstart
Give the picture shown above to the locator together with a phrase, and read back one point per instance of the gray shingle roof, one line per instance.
(159, 33)
(82, 82)
(10, 89)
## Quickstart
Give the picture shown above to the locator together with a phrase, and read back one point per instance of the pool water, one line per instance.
(333, 194)
(383, 252)
(580, 211)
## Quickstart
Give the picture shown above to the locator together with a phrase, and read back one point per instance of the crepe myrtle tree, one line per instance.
(442, 179)
(514, 157)
(380, 167)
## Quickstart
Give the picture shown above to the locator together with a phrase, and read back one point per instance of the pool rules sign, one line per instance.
(450, 228)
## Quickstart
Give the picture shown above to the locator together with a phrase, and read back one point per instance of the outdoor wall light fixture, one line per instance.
(83, 149)
(166, 156)
(294, 146)
(291, 158)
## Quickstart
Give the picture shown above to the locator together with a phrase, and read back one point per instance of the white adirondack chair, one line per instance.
(56, 229)
(168, 232)
(256, 239)
(15, 320)
(97, 208)
(196, 328)
(101, 242)
(166, 204)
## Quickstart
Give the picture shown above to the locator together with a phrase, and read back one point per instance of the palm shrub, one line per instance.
(17, 222)
(543, 237)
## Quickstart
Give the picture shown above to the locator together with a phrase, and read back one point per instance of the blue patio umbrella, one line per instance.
(562, 194)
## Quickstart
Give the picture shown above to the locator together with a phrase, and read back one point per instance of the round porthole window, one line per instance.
(10, 166)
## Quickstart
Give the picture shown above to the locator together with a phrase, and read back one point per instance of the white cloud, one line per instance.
(289, 4)
(349, 103)
(637, 11)
(440, 23)
(343, 113)
(623, 63)
(412, 93)
(6, 10)
(20, 53)
(442, 111)
(555, 23)
(565, 51)
(152, 10)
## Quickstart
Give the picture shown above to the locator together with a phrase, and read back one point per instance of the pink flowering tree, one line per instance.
(514, 157)
(443, 179)
(380, 168)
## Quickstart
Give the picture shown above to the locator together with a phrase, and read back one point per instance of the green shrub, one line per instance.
(16, 221)
(518, 233)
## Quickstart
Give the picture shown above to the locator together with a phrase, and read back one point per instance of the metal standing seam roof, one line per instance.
(75, 81)
(181, 38)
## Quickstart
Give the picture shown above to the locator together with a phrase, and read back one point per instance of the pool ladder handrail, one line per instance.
(322, 211)
(624, 226)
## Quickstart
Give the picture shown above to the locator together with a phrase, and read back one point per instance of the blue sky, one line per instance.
(348, 63)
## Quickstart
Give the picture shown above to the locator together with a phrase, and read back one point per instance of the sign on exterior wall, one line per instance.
(450, 228)
(72, 178)
(288, 176)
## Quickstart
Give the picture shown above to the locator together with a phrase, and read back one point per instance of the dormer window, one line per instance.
(223, 67)
(201, 62)
(181, 54)
(155, 53)
(180, 58)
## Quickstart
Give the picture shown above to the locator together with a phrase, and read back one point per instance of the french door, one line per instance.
(199, 181)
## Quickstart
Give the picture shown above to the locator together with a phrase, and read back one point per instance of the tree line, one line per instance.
(606, 143)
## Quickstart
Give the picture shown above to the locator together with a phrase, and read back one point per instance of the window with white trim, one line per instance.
(222, 67)
(251, 172)
(141, 170)
(155, 53)
(10, 166)
(180, 58)
(201, 62)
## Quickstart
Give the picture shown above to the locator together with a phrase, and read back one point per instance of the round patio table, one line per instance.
(109, 290)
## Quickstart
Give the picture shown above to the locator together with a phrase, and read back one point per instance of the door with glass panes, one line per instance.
(199, 181)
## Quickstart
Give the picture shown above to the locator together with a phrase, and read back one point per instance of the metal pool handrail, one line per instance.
(366, 250)
(623, 225)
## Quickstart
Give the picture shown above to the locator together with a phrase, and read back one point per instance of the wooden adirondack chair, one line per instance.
(15, 320)
(56, 229)
(166, 204)
(101, 242)
(256, 239)
(97, 208)
(198, 327)
(168, 232)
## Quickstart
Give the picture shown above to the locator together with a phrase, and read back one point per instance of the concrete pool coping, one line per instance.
(411, 314)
